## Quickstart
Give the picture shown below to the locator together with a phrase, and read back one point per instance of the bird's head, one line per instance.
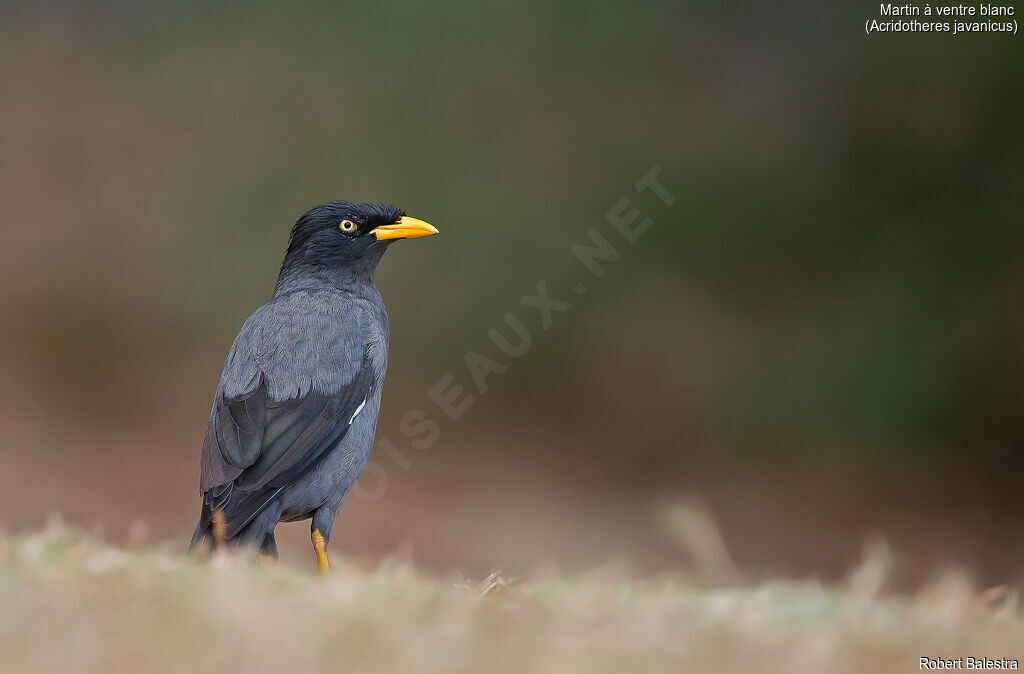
(348, 238)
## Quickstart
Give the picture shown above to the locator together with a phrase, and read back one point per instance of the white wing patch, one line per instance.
(358, 410)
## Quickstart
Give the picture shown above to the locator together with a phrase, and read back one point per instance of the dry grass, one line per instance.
(72, 604)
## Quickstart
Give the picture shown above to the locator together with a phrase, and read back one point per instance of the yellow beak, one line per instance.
(405, 228)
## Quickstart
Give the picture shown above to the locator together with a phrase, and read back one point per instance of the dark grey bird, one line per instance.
(295, 412)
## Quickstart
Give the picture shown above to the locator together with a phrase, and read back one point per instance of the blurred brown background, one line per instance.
(822, 338)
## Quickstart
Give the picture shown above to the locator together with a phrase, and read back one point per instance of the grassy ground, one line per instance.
(69, 603)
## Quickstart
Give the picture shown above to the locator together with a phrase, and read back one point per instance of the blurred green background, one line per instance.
(821, 338)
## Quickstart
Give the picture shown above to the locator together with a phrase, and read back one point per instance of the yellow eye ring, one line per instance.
(347, 225)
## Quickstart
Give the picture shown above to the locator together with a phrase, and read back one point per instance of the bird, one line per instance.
(295, 412)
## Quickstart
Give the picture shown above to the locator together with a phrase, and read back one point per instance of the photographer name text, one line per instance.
(936, 664)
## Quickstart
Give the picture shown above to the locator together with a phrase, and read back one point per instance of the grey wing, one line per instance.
(254, 447)
(296, 377)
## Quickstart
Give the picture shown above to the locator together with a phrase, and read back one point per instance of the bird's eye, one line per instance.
(347, 225)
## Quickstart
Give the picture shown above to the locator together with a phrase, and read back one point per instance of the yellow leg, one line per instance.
(320, 546)
(219, 528)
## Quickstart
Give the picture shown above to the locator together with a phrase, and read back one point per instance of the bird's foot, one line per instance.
(320, 547)
(219, 528)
